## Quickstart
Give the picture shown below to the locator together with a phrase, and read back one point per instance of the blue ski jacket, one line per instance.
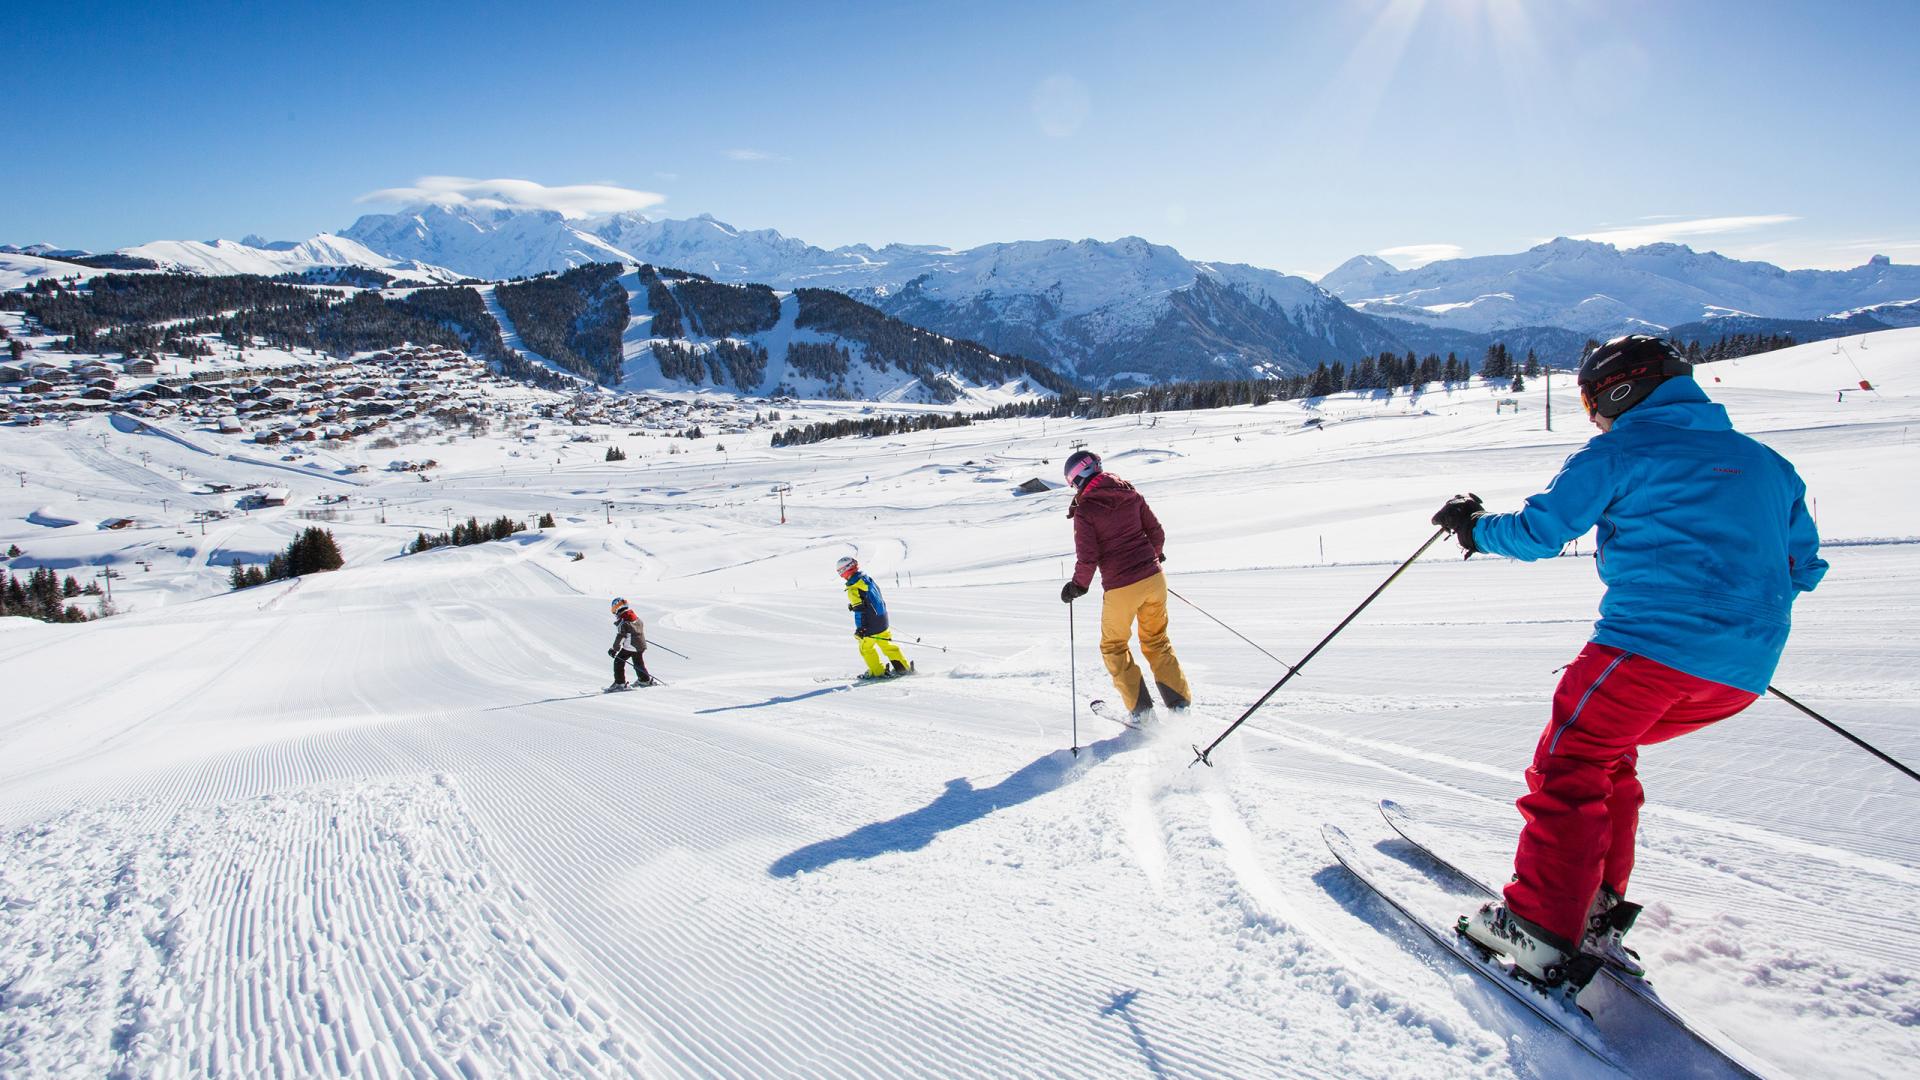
(1704, 536)
(869, 610)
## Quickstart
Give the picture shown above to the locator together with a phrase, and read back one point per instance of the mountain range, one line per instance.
(1128, 312)
(1598, 289)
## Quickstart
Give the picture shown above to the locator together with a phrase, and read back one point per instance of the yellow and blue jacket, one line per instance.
(869, 610)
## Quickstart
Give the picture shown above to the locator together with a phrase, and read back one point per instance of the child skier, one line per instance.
(1704, 541)
(1115, 530)
(870, 626)
(629, 643)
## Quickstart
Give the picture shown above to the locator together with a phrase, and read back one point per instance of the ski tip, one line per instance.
(1391, 808)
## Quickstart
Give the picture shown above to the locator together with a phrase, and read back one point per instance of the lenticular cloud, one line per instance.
(571, 200)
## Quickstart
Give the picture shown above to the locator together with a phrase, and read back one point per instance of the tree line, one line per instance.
(123, 312)
(42, 594)
(472, 531)
(312, 552)
(576, 319)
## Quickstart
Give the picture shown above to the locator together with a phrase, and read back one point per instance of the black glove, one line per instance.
(1457, 518)
(853, 607)
(613, 652)
(1071, 592)
(858, 633)
(1162, 557)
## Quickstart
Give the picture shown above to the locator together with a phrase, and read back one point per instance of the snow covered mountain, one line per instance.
(1128, 311)
(324, 251)
(1598, 289)
(661, 329)
(1125, 311)
(492, 244)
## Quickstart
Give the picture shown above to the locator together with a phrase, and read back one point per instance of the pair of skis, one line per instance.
(1615, 1010)
(869, 680)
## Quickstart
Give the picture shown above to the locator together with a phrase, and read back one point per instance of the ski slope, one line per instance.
(381, 822)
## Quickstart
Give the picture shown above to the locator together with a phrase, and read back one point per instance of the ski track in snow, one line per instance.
(381, 822)
(223, 938)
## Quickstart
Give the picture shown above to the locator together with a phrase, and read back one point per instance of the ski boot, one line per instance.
(868, 676)
(1174, 701)
(1536, 954)
(896, 668)
(1607, 922)
(617, 687)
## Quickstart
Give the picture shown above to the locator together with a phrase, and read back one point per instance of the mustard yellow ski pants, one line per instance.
(1146, 603)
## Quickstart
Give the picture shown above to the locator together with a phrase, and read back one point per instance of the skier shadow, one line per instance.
(960, 804)
(1119, 1007)
(546, 701)
(786, 699)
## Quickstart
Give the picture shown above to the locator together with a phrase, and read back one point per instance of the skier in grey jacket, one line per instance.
(629, 643)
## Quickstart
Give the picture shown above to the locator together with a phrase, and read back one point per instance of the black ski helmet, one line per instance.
(1620, 374)
(1082, 466)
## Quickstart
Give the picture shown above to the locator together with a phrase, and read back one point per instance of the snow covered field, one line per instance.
(381, 821)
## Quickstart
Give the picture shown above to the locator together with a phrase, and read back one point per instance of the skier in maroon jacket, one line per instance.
(1115, 531)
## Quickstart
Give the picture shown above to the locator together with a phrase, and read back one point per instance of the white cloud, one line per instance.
(745, 154)
(1409, 256)
(571, 200)
(1676, 231)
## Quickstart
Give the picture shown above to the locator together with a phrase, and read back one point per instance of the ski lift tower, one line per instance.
(781, 489)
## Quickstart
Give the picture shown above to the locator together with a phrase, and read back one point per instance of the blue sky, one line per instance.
(1290, 135)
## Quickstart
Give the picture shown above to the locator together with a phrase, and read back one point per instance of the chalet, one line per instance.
(271, 496)
(229, 425)
(12, 373)
(140, 367)
(117, 524)
(37, 386)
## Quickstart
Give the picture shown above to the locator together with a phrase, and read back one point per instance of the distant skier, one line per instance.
(1704, 541)
(629, 644)
(1115, 530)
(870, 625)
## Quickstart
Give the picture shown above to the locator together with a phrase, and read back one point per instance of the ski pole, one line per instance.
(1073, 680)
(1232, 631)
(1200, 755)
(663, 648)
(916, 643)
(1848, 735)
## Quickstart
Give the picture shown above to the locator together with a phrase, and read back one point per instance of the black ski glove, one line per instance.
(858, 633)
(1457, 517)
(1071, 592)
(613, 652)
(853, 607)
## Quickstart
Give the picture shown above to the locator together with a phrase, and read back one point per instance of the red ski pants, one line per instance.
(1582, 805)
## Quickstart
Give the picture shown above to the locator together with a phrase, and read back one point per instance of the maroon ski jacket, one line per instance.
(1114, 529)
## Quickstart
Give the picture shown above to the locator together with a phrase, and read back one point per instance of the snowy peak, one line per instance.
(1360, 273)
(1595, 288)
(319, 252)
(483, 242)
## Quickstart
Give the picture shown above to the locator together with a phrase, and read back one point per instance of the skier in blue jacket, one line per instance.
(870, 626)
(1704, 542)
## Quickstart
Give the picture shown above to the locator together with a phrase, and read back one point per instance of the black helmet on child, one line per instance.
(1082, 466)
(1620, 374)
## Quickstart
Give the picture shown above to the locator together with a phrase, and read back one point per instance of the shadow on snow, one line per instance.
(960, 804)
(783, 700)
